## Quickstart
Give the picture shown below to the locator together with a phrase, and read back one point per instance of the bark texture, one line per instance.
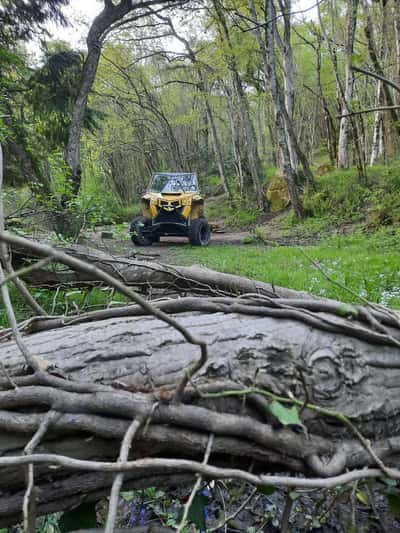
(143, 358)
(206, 366)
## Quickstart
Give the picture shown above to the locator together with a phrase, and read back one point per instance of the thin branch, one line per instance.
(28, 507)
(256, 24)
(119, 478)
(378, 77)
(196, 486)
(284, 526)
(369, 110)
(163, 465)
(237, 512)
(26, 270)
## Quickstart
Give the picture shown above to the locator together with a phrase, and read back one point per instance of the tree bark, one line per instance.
(142, 358)
(396, 22)
(150, 275)
(100, 370)
(369, 33)
(344, 127)
(377, 134)
(279, 115)
(288, 78)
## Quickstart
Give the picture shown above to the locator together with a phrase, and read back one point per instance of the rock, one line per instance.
(107, 235)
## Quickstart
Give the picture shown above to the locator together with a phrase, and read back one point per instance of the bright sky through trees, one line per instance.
(80, 13)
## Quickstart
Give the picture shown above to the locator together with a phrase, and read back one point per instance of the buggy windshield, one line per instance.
(173, 183)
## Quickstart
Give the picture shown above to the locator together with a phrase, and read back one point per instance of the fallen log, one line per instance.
(140, 359)
(80, 382)
(148, 275)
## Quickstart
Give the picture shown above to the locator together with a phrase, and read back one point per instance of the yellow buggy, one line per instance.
(172, 205)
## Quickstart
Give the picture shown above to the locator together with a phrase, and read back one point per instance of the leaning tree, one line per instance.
(113, 15)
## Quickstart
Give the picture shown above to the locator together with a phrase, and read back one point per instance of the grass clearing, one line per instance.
(368, 265)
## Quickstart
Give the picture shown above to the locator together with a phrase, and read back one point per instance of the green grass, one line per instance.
(369, 266)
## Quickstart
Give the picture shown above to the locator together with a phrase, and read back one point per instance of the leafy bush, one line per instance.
(339, 194)
(342, 196)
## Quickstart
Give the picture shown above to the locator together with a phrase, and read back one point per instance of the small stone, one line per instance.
(107, 235)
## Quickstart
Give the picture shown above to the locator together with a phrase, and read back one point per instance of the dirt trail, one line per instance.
(163, 251)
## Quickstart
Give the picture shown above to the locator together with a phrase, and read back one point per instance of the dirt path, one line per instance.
(164, 250)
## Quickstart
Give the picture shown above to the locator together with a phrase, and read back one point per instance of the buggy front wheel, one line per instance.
(136, 231)
(199, 232)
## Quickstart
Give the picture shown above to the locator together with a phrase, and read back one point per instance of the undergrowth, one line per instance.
(341, 197)
(221, 209)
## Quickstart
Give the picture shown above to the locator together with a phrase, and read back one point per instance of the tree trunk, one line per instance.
(145, 275)
(329, 123)
(244, 111)
(237, 158)
(288, 75)
(98, 371)
(376, 145)
(217, 149)
(268, 50)
(396, 22)
(344, 127)
(111, 14)
(369, 33)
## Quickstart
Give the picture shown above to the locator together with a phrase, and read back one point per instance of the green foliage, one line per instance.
(63, 302)
(222, 210)
(338, 194)
(266, 489)
(123, 214)
(286, 415)
(340, 197)
(258, 235)
(196, 513)
(49, 523)
(394, 502)
(19, 20)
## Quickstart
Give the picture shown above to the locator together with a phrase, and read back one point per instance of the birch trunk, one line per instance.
(377, 134)
(344, 127)
(267, 49)
(288, 75)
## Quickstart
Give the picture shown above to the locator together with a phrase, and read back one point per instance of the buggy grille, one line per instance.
(170, 217)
